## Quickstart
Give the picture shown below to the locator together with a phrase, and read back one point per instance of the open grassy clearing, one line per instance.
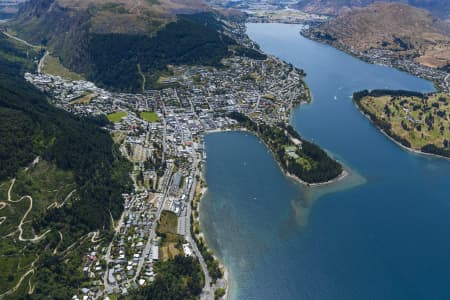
(419, 121)
(171, 242)
(168, 222)
(117, 116)
(84, 99)
(118, 137)
(149, 116)
(53, 66)
(171, 246)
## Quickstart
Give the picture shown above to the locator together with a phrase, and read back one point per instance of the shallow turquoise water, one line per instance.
(384, 233)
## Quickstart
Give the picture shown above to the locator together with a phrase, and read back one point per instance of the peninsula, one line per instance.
(153, 111)
(297, 157)
(419, 122)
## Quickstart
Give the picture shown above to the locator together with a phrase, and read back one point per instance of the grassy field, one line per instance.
(118, 137)
(149, 116)
(270, 97)
(117, 116)
(168, 222)
(419, 121)
(53, 66)
(84, 99)
(171, 244)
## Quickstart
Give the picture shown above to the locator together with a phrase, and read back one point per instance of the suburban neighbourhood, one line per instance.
(162, 133)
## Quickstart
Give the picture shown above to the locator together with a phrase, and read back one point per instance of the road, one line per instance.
(36, 238)
(207, 292)
(152, 235)
(164, 133)
(20, 40)
(19, 283)
(107, 257)
(447, 82)
(41, 62)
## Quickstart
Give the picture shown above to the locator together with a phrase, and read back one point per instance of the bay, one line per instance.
(383, 233)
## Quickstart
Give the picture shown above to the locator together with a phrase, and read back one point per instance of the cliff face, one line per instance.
(439, 8)
(405, 30)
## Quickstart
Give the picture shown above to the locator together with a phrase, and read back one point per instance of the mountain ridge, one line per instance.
(85, 35)
(405, 31)
(439, 8)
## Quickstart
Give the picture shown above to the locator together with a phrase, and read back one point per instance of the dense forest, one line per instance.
(433, 149)
(308, 161)
(31, 127)
(180, 278)
(194, 39)
(357, 96)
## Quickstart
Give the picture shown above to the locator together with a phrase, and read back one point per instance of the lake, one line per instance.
(382, 233)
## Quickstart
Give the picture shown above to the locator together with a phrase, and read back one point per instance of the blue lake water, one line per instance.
(383, 233)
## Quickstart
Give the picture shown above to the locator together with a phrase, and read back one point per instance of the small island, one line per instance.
(297, 157)
(419, 122)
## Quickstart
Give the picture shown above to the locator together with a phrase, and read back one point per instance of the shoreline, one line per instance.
(339, 177)
(201, 235)
(438, 86)
(226, 279)
(361, 57)
(412, 150)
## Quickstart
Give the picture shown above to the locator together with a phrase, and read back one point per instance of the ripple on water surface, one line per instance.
(381, 234)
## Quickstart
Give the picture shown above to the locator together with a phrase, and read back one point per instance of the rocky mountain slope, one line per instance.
(440, 8)
(405, 31)
(117, 42)
(9, 8)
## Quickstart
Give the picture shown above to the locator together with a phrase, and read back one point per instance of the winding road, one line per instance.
(41, 62)
(20, 40)
(56, 205)
(19, 283)
(36, 238)
(447, 82)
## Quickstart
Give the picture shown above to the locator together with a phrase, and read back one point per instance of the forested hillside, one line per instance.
(32, 127)
(117, 43)
(74, 188)
(115, 57)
